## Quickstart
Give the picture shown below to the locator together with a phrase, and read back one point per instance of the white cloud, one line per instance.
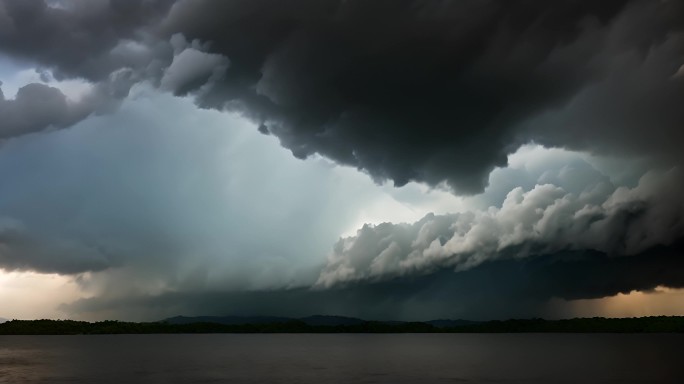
(564, 203)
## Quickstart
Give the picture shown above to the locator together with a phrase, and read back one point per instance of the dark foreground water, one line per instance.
(342, 358)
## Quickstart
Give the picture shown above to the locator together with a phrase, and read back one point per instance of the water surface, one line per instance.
(343, 358)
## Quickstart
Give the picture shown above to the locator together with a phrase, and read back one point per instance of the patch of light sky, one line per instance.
(30, 295)
(14, 75)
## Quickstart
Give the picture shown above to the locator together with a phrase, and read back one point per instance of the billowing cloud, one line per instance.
(407, 90)
(191, 67)
(92, 41)
(86, 39)
(37, 106)
(545, 220)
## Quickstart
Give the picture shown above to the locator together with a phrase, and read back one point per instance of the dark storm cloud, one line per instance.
(77, 38)
(91, 40)
(442, 91)
(404, 90)
(35, 108)
(635, 107)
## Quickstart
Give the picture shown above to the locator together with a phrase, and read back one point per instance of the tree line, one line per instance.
(657, 324)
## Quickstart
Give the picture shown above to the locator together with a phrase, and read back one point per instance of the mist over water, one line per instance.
(343, 358)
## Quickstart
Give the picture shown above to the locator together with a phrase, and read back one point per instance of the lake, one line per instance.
(344, 358)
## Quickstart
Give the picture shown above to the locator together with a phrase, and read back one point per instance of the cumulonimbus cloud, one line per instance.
(434, 92)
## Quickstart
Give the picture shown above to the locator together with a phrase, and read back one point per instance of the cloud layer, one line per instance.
(404, 90)
(510, 288)
(544, 220)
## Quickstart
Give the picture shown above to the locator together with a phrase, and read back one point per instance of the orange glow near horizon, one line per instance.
(662, 301)
(31, 295)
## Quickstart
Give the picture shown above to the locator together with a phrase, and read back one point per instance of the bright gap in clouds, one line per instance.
(30, 295)
(14, 77)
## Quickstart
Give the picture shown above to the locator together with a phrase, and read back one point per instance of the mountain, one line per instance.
(2, 320)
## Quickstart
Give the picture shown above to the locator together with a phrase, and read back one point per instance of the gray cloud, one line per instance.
(633, 110)
(93, 41)
(544, 220)
(81, 39)
(38, 107)
(21, 250)
(415, 90)
(35, 108)
(404, 90)
(191, 68)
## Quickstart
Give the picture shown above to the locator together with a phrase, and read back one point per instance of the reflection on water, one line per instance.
(342, 358)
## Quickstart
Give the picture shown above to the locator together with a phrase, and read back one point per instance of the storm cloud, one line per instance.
(88, 40)
(445, 94)
(81, 38)
(38, 107)
(434, 92)
(442, 91)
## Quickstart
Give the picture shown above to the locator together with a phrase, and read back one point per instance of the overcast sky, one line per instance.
(390, 160)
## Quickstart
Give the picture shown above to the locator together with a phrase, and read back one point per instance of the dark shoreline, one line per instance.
(658, 324)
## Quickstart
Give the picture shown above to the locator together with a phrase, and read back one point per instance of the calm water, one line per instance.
(339, 358)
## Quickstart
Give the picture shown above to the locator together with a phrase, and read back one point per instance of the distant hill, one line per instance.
(330, 321)
(2, 320)
(314, 321)
(446, 323)
(228, 320)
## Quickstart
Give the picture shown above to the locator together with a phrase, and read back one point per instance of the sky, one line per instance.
(391, 160)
